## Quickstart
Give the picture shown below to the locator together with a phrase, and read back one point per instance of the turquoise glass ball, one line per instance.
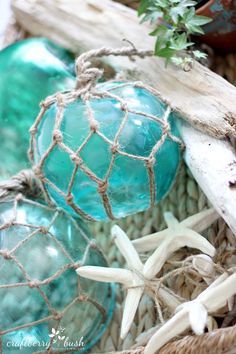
(40, 291)
(30, 70)
(128, 187)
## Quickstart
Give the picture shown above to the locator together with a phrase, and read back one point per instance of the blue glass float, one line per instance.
(30, 70)
(42, 297)
(122, 163)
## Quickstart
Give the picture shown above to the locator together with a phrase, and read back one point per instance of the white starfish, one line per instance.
(138, 274)
(178, 234)
(194, 314)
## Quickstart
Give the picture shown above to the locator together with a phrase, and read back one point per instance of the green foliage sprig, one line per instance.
(177, 22)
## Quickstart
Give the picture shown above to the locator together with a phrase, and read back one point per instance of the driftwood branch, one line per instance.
(202, 97)
(213, 165)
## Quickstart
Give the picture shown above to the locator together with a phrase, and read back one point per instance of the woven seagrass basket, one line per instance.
(185, 199)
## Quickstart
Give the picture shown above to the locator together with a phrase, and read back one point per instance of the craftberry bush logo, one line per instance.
(56, 335)
(57, 338)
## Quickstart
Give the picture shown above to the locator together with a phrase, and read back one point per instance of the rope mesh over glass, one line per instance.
(151, 158)
(43, 300)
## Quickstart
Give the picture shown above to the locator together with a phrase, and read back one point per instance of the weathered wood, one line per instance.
(213, 165)
(202, 97)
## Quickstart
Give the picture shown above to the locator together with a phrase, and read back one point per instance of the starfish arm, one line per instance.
(201, 221)
(150, 242)
(172, 328)
(183, 237)
(170, 219)
(218, 281)
(216, 297)
(197, 314)
(131, 304)
(192, 239)
(105, 274)
(230, 303)
(126, 248)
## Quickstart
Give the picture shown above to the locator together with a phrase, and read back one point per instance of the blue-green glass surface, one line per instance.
(30, 70)
(128, 189)
(41, 257)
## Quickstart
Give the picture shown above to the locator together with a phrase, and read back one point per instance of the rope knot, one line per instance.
(76, 159)
(57, 136)
(33, 130)
(43, 230)
(6, 254)
(57, 316)
(38, 173)
(33, 284)
(124, 106)
(18, 198)
(93, 244)
(88, 78)
(151, 161)
(94, 126)
(82, 297)
(115, 148)
(102, 187)
(165, 127)
(69, 199)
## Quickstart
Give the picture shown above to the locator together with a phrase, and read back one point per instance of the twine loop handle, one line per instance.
(24, 183)
(87, 76)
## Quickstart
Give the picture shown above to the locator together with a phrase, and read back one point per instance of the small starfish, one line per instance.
(194, 314)
(138, 274)
(183, 231)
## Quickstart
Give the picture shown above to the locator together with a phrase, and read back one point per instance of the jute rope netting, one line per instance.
(185, 198)
(86, 91)
(11, 192)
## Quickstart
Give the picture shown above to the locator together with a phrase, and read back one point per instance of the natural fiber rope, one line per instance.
(86, 91)
(9, 192)
(24, 182)
(185, 199)
(87, 77)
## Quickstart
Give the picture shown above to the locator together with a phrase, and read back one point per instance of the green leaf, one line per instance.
(152, 17)
(180, 9)
(179, 20)
(199, 55)
(161, 3)
(165, 52)
(188, 15)
(143, 7)
(180, 42)
(177, 60)
(192, 29)
(200, 20)
(160, 30)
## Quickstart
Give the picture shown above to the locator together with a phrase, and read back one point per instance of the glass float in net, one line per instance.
(30, 70)
(43, 301)
(108, 154)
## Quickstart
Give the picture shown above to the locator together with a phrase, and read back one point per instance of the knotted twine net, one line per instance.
(86, 90)
(50, 313)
